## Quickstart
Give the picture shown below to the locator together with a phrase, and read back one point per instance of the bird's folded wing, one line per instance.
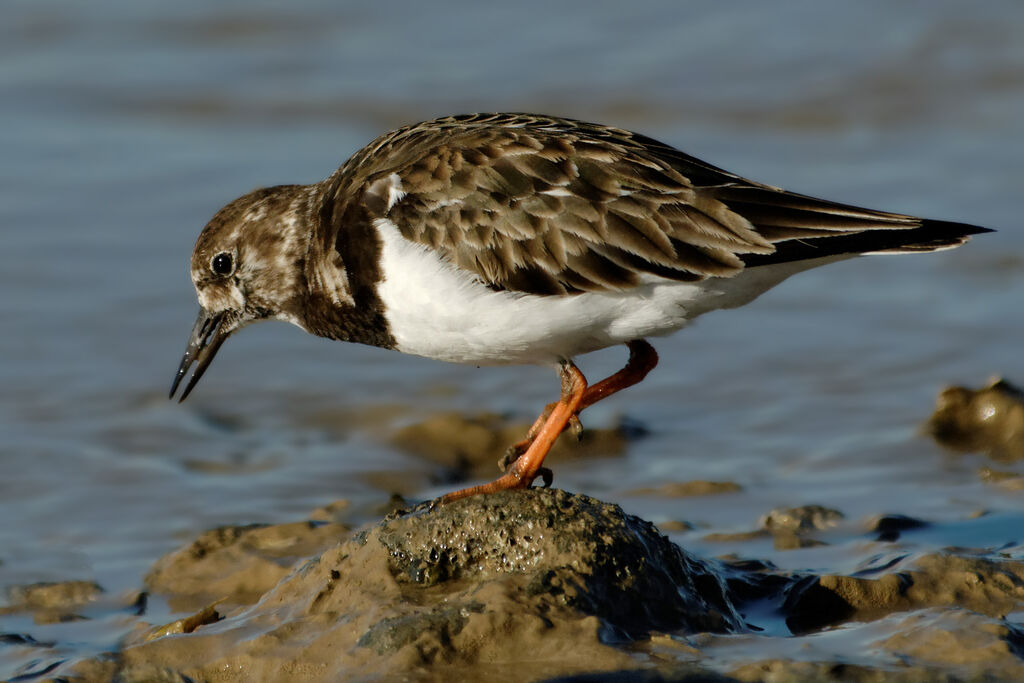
(550, 206)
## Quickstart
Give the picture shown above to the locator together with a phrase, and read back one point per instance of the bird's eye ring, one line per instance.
(222, 264)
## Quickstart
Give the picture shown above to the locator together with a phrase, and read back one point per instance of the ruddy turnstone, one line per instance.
(494, 239)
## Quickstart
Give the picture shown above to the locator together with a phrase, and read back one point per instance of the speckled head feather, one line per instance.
(264, 235)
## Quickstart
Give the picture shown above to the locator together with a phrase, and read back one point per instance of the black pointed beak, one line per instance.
(207, 336)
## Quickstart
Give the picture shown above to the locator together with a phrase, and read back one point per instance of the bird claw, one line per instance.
(547, 476)
(576, 427)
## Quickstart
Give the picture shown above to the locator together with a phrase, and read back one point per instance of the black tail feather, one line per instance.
(930, 235)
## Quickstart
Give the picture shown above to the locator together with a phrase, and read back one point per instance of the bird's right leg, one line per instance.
(642, 359)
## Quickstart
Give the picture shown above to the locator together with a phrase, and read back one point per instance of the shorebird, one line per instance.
(493, 239)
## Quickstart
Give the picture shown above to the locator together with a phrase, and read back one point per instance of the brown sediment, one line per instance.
(522, 585)
(932, 645)
(959, 641)
(236, 565)
(727, 537)
(1008, 481)
(686, 489)
(801, 519)
(538, 584)
(991, 587)
(52, 595)
(51, 602)
(789, 528)
(988, 420)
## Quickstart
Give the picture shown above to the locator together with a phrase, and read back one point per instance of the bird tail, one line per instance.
(802, 227)
(934, 236)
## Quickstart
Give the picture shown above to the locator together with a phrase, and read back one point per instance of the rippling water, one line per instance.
(124, 126)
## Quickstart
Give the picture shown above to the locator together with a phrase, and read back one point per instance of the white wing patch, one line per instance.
(395, 191)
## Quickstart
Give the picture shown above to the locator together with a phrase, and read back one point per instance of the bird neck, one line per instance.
(342, 272)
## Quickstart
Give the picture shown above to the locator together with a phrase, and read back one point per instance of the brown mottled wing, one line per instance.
(550, 206)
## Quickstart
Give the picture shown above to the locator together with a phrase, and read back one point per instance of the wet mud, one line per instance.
(550, 585)
(514, 586)
(989, 420)
(541, 585)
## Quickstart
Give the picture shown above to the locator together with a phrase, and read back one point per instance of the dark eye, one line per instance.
(222, 264)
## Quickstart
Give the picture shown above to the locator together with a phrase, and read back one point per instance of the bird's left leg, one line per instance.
(530, 464)
(642, 359)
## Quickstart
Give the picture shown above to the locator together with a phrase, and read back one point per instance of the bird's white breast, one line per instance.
(440, 311)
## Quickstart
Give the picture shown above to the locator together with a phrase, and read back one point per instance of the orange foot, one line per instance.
(529, 465)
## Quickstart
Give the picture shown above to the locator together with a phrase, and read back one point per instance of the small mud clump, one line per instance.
(989, 420)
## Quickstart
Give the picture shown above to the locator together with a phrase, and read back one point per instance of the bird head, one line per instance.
(246, 266)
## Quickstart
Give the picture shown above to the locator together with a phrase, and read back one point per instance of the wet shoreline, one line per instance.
(430, 592)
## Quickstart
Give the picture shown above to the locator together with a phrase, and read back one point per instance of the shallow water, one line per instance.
(125, 126)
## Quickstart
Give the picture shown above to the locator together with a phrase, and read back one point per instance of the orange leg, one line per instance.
(642, 359)
(529, 465)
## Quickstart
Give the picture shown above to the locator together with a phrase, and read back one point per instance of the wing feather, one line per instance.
(552, 206)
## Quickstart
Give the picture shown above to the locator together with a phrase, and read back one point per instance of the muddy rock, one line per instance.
(789, 528)
(988, 420)
(801, 519)
(494, 584)
(235, 565)
(53, 595)
(986, 586)
(597, 558)
(50, 602)
(889, 527)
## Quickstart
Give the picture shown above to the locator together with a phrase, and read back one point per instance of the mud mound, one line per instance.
(497, 584)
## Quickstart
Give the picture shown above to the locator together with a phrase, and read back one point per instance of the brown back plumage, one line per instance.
(550, 206)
